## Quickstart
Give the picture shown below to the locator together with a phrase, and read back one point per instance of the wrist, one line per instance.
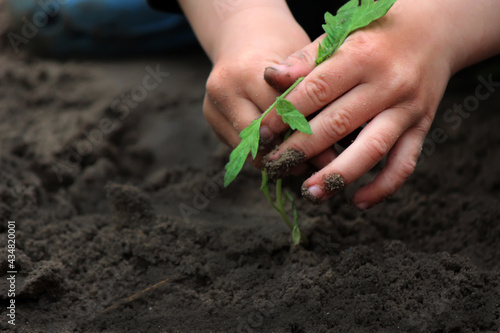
(448, 34)
(472, 31)
(211, 20)
(255, 29)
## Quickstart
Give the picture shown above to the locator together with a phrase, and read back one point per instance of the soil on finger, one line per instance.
(284, 163)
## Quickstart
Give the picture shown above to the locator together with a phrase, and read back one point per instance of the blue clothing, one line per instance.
(96, 27)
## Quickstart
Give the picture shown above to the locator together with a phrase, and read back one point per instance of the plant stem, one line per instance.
(281, 206)
(265, 189)
(282, 96)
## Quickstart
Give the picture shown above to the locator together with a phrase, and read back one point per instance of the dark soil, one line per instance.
(134, 232)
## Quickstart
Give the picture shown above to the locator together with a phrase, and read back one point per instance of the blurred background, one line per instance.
(64, 28)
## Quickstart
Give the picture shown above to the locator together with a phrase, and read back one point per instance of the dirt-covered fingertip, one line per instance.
(275, 77)
(334, 183)
(286, 161)
(313, 194)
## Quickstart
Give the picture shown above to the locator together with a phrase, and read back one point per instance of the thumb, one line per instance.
(299, 64)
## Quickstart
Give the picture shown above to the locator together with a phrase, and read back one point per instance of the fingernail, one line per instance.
(266, 135)
(278, 165)
(363, 205)
(277, 68)
(272, 76)
(313, 194)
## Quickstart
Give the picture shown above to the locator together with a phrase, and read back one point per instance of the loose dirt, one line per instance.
(122, 224)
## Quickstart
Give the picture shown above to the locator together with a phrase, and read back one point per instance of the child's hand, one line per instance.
(392, 76)
(236, 90)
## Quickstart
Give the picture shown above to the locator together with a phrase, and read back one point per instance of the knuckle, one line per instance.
(425, 122)
(389, 188)
(318, 90)
(413, 111)
(406, 168)
(422, 123)
(363, 49)
(403, 80)
(221, 80)
(376, 147)
(301, 56)
(337, 125)
(214, 86)
(393, 184)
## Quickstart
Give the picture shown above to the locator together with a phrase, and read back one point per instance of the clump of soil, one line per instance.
(138, 235)
(284, 163)
(334, 183)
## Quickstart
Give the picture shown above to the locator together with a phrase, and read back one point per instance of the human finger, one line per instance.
(221, 126)
(328, 127)
(401, 162)
(317, 162)
(324, 84)
(372, 144)
(228, 131)
(299, 64)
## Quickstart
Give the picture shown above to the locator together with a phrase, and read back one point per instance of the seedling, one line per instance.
(350, 17)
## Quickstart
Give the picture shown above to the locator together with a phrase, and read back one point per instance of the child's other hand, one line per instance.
(392, 76)
(236, 90)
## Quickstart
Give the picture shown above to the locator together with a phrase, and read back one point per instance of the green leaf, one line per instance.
(250, 137)
(236, 162)
(296, 235)
(249, 142)
(349, 18)
(292, 116)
